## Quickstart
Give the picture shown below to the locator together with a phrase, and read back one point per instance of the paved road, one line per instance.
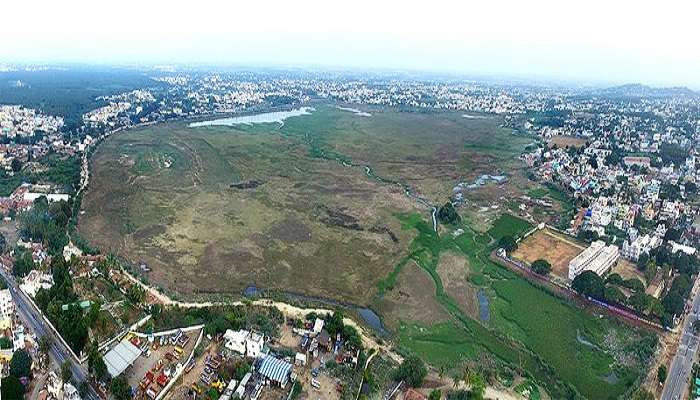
(676, 386)
(30, 316)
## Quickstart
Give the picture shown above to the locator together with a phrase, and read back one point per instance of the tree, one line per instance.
(673, 303)
(120, 388)
(21, 364)
(643, 262)
(588, 283)
(639, 301)
(3, 243)
(673, 234)
(44, 344)
(634, 284)
(11, 388)
(541, 267)
(23, 263)
(642, 394)
(66, 371)
(588, 236)
(614, 279)
(661, 373)
(507, 243)
(412, 371)
(435, 394)
(16, 165)
(136, 294)
(447, 214)
(5, 342)
(614, 295)
(96, 364)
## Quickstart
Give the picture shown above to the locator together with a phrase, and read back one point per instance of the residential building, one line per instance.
(7, 305)
(631, 250)
(598, 258)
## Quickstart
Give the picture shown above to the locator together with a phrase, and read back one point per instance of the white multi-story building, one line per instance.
(598, 258)
(640, 245)
(601, 213)
(235, 340)
(676, 247)
(254, 345)
(7, 306)
(244, 342)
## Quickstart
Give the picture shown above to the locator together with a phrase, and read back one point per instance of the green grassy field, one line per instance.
(551, 339)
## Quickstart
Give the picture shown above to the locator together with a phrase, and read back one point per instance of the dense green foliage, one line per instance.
(72, 323)
(661, 373)
(120, 388)
(23, 262)
(46, 223)
(96, 364)
(542, 267)
(588, 283)
(66, 371)
(447, 214)
(5, 342)
(68, 93)
(412, 371)
(61, 171)
(218, 319)
(12, 388)
(21, 364)
(334, 325)
(507, 243)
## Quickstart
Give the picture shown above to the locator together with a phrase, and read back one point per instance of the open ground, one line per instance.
(549, 245)
(564, 141)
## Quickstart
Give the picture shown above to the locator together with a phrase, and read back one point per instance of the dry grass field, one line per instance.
(216, 209)
(564, 141)
(551, 246)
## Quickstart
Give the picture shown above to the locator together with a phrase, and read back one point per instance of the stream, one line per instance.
(368, 315)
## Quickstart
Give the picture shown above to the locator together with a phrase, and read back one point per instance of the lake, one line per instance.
(263, 118)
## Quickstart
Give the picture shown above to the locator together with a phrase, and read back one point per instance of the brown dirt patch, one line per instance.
(564, 140)
(551, 246)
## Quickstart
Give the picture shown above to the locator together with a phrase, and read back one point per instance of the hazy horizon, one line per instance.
(601, 43)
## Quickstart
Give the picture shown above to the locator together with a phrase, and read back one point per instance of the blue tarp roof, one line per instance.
(275, 369)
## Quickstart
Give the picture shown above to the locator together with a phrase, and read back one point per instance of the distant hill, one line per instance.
(637, 90)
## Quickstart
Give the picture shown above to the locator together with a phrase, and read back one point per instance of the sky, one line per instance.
(596, 41)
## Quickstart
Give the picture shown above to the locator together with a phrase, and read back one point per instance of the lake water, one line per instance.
(470, 116)
(355, 111)
(263, 118)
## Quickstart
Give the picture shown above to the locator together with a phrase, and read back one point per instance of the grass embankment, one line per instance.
(528, 328)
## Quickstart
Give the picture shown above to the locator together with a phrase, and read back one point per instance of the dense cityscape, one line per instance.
(623, 161)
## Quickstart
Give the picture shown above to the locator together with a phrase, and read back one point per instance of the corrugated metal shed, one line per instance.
(121, 357)
(275, 369)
